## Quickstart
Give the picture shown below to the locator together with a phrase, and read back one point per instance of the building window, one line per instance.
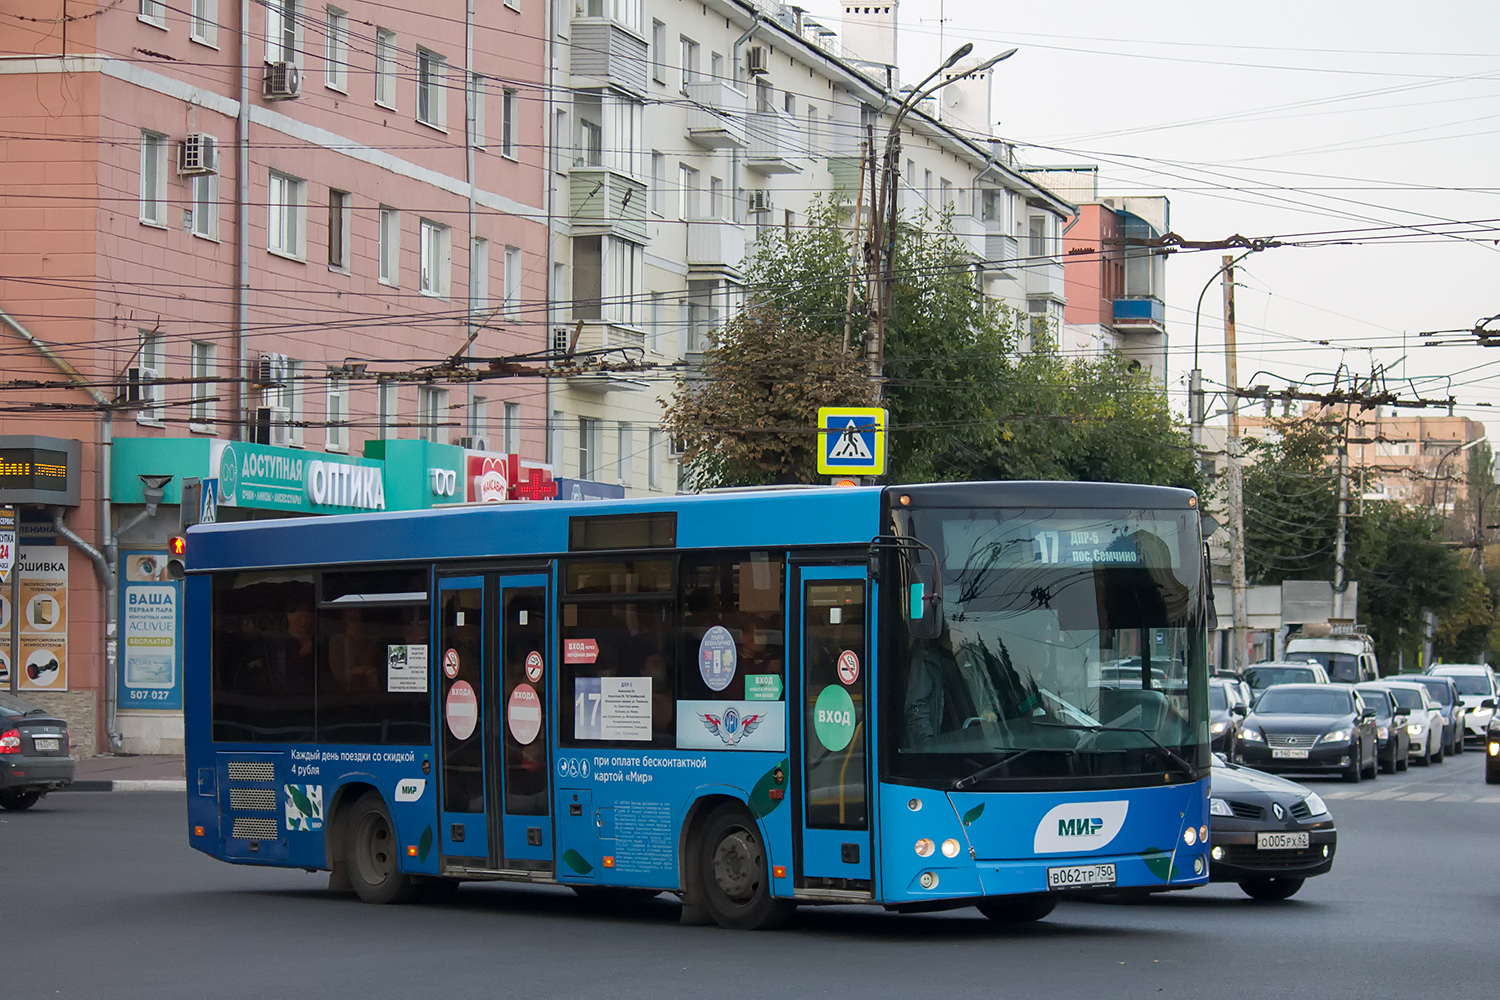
(153, 12)
(945, 194)
(432, 412)
(390, 246)
(512, 283)
(607, 279)
(625, 440)
(658, 183)
(658, 52)
(435, 259)
(431, 105)
(590, 439)
(479, 422)
(477, 85)
(689, 61)
(203, 24)
(388, 404)
(337, 416)
(340, 216)
(286, 216)
(654, 331)
(653, 459)
(510, 109)
(479, 276)
(205, 213)
(292, 399)
(1038, 237)
(336, 50)
(203, 388)
(385, 68)
(153, 178)
(555, 440)
(687, 190)
(151, 362)
(512, 442)
(283, 30)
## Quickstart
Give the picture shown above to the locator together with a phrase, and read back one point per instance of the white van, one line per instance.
(1345, 651)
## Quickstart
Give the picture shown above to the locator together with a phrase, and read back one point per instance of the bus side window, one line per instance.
(264, 654)
(731, 609)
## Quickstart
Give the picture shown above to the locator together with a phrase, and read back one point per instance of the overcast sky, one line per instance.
(1376, 122)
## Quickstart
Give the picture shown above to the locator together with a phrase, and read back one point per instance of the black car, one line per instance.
(34, 757)
(1390, 727)
(1226, 712)
(1492, 753)
(1445, 693)
(1311, 727)
(1266, 833)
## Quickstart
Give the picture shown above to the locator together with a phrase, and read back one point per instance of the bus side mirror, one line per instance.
(924, 611)
(1208, 589)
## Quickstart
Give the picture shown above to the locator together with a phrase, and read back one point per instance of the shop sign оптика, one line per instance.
(269, 478)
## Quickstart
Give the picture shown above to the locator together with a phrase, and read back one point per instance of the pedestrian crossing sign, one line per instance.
(851, 440)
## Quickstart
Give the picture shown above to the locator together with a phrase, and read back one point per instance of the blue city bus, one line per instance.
(921, 697)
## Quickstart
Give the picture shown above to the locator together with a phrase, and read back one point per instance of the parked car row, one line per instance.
(34, 753)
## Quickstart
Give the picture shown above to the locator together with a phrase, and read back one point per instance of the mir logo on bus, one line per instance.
(1079, 827)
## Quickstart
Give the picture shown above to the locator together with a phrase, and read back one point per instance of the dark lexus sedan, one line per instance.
(1266, 833)
(1311, 727)
(34, 756)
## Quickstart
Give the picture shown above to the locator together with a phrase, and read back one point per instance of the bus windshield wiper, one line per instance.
(1171, 754)
(988, 769)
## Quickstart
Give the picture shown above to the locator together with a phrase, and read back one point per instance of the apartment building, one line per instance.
(694, 128)
(234, 239)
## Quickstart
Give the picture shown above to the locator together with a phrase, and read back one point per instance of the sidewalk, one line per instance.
(139, 773)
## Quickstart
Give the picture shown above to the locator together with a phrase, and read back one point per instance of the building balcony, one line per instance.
(775, 143)
(1043, 277)
(716, 118)
(1001, 252)
(609, 52)
(623, 343)
(1145, 315)
(848, 178)
(604, 201)
(717, 244)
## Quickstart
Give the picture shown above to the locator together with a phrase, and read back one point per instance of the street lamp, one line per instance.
(1438, 472)
(1195, 378)
(884, 212)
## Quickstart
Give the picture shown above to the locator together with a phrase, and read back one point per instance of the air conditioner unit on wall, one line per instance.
(473, 443)
(283, 81)
(760, 201)
(197, 154)
(137, 386)
(271, 372)
(273, 425)
(760, 63)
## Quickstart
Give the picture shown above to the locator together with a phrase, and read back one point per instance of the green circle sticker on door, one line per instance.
(833, 718)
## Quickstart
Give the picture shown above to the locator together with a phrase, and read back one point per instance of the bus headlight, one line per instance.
(925, 847)
(950, 848)
(1190, 836)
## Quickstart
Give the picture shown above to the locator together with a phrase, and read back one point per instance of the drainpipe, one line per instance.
(471, 99)
(103, 567)
(242, 234)
(549, 153)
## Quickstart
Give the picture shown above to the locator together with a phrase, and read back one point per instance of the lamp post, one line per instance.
(883, 213)
(1438, 472)
(1195, 378)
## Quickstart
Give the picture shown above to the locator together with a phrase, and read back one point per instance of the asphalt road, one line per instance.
(101, 897)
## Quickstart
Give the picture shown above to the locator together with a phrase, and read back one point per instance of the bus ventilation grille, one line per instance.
(253, 828)
(252, 799)
(251, 770)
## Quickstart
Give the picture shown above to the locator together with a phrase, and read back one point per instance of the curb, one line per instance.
(129, 785)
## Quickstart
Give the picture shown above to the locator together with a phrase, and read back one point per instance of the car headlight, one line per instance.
(1218, 727)
(1253, 736)
(1383, 732)
(1218, 807)
(1337, 736)
(1315, 805)
(1415, 729)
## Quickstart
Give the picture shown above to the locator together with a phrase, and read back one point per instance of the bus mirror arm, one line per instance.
(1212, 623)
(925, 621)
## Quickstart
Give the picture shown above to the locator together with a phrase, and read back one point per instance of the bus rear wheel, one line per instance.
(1017, 909)
(373, 859)
(733, 873)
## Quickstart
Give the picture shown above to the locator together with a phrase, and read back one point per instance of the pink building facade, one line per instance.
(192, 254)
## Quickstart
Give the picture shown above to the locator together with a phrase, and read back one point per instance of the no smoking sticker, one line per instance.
(450, 663)
(533, 666)
(848, 666)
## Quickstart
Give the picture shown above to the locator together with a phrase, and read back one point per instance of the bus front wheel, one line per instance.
(373, 860)
(1017, 909)
(734, 875)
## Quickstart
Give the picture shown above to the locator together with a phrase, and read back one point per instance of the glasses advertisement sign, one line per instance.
(150, 633)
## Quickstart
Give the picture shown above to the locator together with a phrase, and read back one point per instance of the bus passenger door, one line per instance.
(520, 735)
(462, 713)
(834, 784)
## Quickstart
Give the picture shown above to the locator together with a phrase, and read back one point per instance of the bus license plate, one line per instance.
(1281, 841)
(1287, 753)
(1081, 876)
(42, 744)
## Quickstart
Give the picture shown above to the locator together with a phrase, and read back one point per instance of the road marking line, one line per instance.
(1420, 796)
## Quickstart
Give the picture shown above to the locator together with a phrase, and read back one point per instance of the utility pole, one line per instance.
(1240, 634)
(1340, 544)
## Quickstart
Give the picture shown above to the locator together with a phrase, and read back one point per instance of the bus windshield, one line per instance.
(1071, 652)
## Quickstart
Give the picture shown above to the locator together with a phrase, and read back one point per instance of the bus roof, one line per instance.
(749, 519)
